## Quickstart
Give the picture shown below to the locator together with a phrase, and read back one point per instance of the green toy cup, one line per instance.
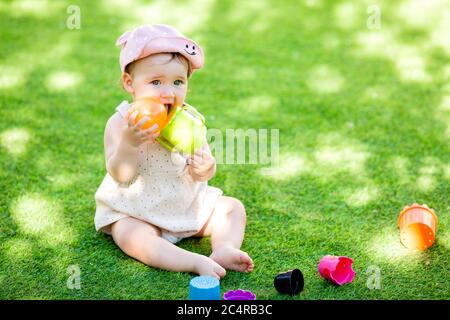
(185, 132)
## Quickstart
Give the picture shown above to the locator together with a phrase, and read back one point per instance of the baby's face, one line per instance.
(157, 76)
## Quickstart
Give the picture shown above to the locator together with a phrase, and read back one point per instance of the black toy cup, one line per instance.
(290, 282)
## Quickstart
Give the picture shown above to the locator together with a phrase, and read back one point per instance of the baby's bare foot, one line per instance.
(205, 266)
(233, 259)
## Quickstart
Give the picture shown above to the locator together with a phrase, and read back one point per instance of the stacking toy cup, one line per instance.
(337, 269)
(204, 288)
(239, 295)
(417, 225)
(185, 130)
(290, 282)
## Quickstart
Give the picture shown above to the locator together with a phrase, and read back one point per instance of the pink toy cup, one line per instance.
(337, 269)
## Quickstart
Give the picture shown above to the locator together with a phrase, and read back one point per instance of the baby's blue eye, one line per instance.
(156, 82)
(178, 82)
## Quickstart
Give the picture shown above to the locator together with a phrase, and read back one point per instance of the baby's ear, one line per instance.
(127, 82)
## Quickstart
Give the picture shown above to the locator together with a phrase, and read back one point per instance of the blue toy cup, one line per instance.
(204, 288)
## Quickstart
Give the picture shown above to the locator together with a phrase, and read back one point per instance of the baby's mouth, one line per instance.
(168, 107)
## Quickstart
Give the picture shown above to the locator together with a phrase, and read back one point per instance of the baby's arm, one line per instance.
(122, 141)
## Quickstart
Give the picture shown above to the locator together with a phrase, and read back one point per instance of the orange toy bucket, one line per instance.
(418, 225)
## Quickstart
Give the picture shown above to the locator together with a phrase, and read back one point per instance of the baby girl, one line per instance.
(152, 198)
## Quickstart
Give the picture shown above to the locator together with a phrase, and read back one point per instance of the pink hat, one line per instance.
(157, 38)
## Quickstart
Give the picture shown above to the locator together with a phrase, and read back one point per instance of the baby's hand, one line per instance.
(201, 165)
(133, 133)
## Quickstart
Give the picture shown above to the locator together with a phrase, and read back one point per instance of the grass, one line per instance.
(364, 130)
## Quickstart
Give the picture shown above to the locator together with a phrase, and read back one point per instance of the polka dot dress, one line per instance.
(162, 193)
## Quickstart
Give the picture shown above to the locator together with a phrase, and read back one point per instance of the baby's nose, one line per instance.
(167, 94)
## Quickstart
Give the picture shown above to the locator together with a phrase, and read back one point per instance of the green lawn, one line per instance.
(364, 120)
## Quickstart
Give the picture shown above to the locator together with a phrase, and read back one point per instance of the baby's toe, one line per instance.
(245, 258)
(248, 263)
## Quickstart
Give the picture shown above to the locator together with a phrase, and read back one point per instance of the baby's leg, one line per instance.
(226, 227)
(143, 242)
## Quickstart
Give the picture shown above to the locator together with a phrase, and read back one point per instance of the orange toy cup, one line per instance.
(151, 108)
(418, 225)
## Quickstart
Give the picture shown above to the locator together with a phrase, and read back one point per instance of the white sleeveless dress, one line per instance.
(162, 193)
